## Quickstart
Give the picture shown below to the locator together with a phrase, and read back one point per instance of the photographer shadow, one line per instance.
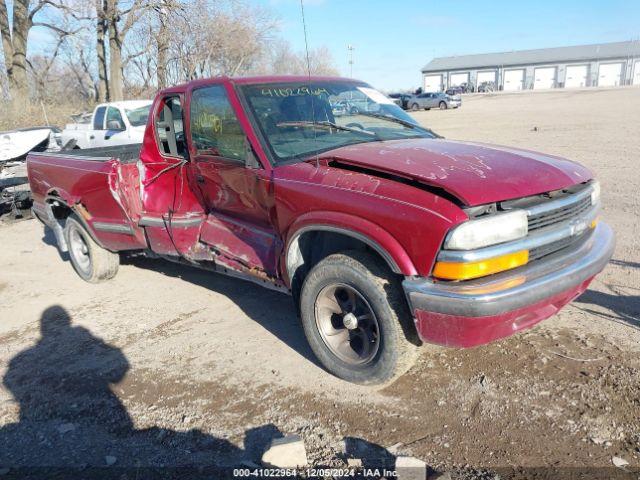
(72, 425)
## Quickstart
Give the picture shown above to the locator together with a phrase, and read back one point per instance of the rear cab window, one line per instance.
(169, 127)
(98, 118)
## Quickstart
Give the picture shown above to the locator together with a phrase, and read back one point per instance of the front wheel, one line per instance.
(356, 319)
(93, 263)
(443, 105)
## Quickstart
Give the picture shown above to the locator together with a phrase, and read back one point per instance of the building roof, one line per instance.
(541, 55)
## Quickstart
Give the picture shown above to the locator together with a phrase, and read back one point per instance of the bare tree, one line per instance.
(102, 32)
(102, 48)
(14, 39)
(229, 37)
(79, 60)
(14, 45)
(283, 60)
(121, 17)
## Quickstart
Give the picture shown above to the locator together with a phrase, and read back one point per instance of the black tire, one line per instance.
(91, 262)
(443, 105)
(397, 341)
(415, 107)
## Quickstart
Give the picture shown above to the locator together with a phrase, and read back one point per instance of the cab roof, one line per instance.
(257, 80)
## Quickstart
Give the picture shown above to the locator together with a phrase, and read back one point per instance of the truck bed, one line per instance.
(123, 153)
(99, 184)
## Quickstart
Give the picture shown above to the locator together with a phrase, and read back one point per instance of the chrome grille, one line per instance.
(566, 212)
(548, 249)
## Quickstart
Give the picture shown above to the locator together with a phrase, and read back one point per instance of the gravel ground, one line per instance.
(167, 366)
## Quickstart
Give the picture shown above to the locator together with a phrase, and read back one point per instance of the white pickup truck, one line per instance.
(110, 124)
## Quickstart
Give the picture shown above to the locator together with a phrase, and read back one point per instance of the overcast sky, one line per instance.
(394, 39)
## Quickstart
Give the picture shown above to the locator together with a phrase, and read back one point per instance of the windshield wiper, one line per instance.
(325, 124)
(391, 119)
(401, 122)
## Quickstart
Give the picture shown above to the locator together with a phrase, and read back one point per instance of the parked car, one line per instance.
(401, 99)
(466, 87)
(339, 108)
(455, 91)
(429, 100)
(110, 124)
(384, 234)
(485, 87)
(357, 105)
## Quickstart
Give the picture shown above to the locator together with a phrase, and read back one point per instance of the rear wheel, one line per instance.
(443, 105)
(415, 107)
(356, 319)
(93, 263)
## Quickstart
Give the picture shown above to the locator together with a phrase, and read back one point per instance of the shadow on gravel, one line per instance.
(48, 238)
(273, 310)
(72, 425)
(267, 307)
(626, 308)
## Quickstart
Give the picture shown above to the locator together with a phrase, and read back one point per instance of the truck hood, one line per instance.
(472, 172)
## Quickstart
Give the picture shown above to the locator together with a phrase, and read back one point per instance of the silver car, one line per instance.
(429, 100)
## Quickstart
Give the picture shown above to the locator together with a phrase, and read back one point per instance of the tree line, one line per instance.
(108, 50)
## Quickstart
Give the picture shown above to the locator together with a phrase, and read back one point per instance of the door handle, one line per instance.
(92, 137)
(199, 179)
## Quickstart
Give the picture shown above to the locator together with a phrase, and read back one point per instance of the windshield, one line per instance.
(299, 120)
(138, 116)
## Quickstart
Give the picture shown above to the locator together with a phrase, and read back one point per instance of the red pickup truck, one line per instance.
(385, 234)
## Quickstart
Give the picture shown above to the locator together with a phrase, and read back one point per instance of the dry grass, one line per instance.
(37, 114)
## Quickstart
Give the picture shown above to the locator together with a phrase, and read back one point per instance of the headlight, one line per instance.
(595, 193)
(493, 229)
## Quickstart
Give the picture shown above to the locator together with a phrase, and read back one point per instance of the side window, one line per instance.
(98, 118)
(215, 130)
(114, 119)
(169, 127)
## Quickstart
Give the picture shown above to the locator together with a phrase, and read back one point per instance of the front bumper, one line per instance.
(474, 312)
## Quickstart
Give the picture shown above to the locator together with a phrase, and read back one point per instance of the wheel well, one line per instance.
(59, 208)
(310, 247)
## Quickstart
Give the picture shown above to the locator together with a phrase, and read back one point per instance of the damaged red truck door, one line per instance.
(385, 234)
(240, 197)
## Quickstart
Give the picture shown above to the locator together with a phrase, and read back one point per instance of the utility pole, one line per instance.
(350, 48)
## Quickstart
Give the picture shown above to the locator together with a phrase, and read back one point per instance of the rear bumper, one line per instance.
(474, 312)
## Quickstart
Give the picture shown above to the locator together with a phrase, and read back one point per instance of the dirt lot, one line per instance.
(169, 366)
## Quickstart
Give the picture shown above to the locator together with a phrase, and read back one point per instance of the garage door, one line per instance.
(576, 76)
(609, 74)
(458, 79)
(544, 78)
(486, 77)
(432, 83)
(513, 80)
(636, 73)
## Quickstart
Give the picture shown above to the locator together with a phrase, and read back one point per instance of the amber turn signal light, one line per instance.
(469, 270)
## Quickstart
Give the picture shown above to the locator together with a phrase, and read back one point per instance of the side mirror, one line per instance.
(114, 125)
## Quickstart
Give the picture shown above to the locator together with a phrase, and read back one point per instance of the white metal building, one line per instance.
(607, 64)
